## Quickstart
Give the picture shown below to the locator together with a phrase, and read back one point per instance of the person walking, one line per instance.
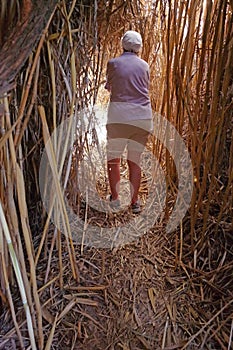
(129, 119)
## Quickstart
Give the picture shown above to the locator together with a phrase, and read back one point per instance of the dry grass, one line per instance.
(161, 291)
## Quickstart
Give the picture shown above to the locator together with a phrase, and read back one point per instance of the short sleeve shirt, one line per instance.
(128, 80)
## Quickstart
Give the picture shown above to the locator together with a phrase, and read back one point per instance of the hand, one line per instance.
(107, 87)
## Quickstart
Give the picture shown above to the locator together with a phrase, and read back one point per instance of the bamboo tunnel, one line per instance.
(162, 290)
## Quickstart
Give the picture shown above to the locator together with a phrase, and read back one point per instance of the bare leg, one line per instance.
(114, 177)
(135, 180)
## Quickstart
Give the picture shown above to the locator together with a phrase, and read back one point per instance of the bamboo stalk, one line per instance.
(8, 292)
(30, 252)
(56, 177)
(29, 80)
(12, 209)
(51, 335)
(18, 277)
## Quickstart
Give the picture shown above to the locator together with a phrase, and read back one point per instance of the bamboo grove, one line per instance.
(189, 47)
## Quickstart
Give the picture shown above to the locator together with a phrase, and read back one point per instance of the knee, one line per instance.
(114, 161)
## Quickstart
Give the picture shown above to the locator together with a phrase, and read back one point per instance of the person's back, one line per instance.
(128, 76)
(128, 82)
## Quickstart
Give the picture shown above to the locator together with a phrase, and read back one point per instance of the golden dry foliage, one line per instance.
(165, 291)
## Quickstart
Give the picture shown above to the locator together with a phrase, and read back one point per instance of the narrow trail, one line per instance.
(141, 296)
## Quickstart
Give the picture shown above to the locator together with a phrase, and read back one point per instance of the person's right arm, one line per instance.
(108, 84)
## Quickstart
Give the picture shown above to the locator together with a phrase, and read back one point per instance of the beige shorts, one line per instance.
(133, 137)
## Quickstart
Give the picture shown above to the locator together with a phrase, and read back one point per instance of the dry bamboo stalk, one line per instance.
(62, 209)
(165, 334)
(51, 335)
(29, 80)
(7, 287)
(8, 124)
(218, 43)
(53, 83)
(12, 209)
(230, 336)
(30, 252)
(60, 259)
(42, 240)
(18, 247)
(205, 113)
(57, 145)
(50, 257)
(18, 277)
(33, 97)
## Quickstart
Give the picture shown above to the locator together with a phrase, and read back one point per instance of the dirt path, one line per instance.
(142, 297)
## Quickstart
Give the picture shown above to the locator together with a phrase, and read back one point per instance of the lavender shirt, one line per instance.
(128, 81)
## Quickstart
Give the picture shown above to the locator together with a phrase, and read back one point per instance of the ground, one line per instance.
(139, 296)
